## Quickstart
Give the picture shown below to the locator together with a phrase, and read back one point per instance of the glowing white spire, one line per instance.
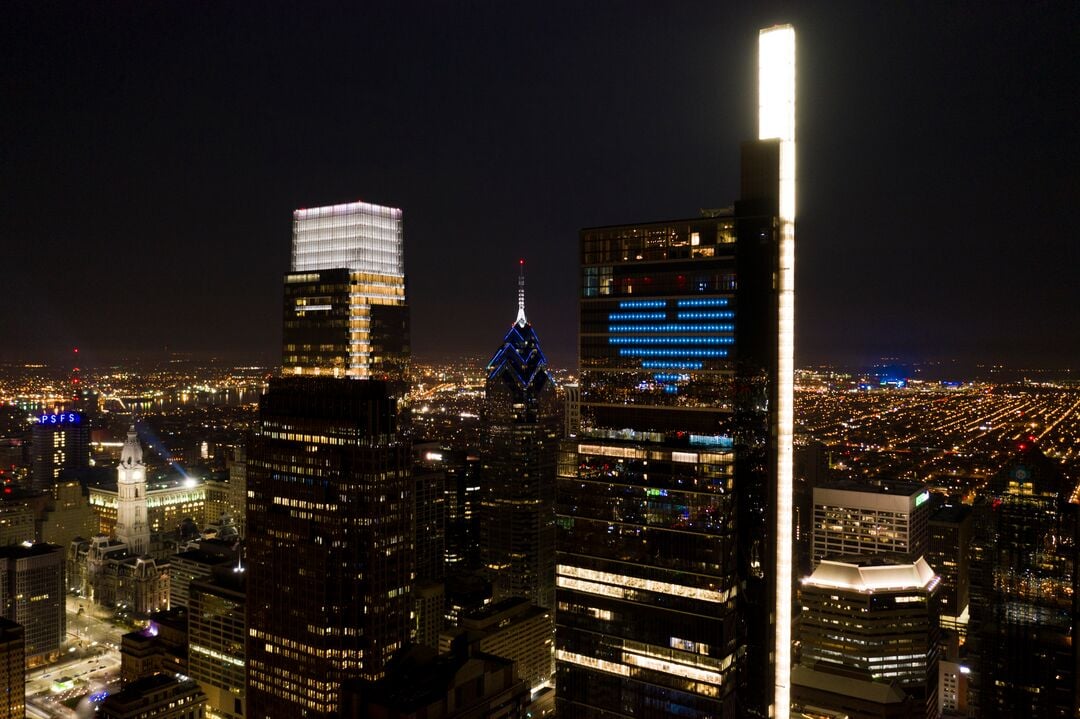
(776, 120)
(521, 321)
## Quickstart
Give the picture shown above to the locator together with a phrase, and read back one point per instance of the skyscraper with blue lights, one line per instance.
(522, 422)
(674, 510)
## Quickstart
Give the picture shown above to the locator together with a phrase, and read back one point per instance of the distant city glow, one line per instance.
(776, 120)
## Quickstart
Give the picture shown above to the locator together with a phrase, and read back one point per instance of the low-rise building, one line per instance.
(217, 631)
(161, 696)
(513, 628)
(161, 647)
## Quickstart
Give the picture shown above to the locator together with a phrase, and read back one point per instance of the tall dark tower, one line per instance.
(521, 416)
(329, 542)
(674, 513)
(1024, 588)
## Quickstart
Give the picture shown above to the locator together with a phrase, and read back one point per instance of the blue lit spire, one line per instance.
(520, 360)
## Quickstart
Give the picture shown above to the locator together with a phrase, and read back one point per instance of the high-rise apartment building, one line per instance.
(674, 509)
(329, 544)
(870, 619)
(1024, 591)
(855, 518)
(523, 424)
(345, 312)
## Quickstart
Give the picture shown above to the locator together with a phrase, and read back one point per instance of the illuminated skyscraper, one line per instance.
(329, 544)
(870, 624)
(674, 511)
(345, 312)
(60, 443)
(522, 422)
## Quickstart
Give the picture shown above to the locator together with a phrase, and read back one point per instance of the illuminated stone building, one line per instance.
(345, 311)
(855, 518)
(521, 416)
(168, 504)
(68, 515)
(870, 619)
(674, 512)
(17, 523)
(119, 571)
(329, 543)
(1022, 633)
(132, 527)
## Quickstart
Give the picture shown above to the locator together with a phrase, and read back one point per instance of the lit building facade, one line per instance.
(32, 594)
(873, 619)
(674, 510)
(513, 628)
(217, 632)
(60, 446)
(521, 417)
(1022, 633)
(12, 670)
(345, 312)
(132, 527)
(167, 505)
(854, 518)
(329, 545)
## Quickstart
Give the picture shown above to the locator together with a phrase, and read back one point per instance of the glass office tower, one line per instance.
(345, 311)
(673, 506)
(329, 544)
(522, 423)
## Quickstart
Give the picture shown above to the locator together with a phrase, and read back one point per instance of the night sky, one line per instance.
(151, 154)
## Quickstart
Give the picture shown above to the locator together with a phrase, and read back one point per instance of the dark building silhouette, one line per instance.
(1022, 633)
(521, 416)
(949, 554)
(329, 544)
(423, 684)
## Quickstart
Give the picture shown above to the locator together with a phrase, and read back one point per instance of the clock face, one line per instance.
(1021, 474)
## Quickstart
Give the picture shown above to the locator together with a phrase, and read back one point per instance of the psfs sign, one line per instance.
(60, 418)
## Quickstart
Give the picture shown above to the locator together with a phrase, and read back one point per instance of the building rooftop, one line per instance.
(846, 685)
(871, 573)
(952, 514)
(896, 488)
(22, 551)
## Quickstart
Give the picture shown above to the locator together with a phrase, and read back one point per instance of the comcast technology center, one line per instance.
(673, 504)
(345, 310)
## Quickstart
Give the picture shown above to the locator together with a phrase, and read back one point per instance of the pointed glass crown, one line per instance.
(519, 360)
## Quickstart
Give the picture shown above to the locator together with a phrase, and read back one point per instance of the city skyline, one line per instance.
(148, 142)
